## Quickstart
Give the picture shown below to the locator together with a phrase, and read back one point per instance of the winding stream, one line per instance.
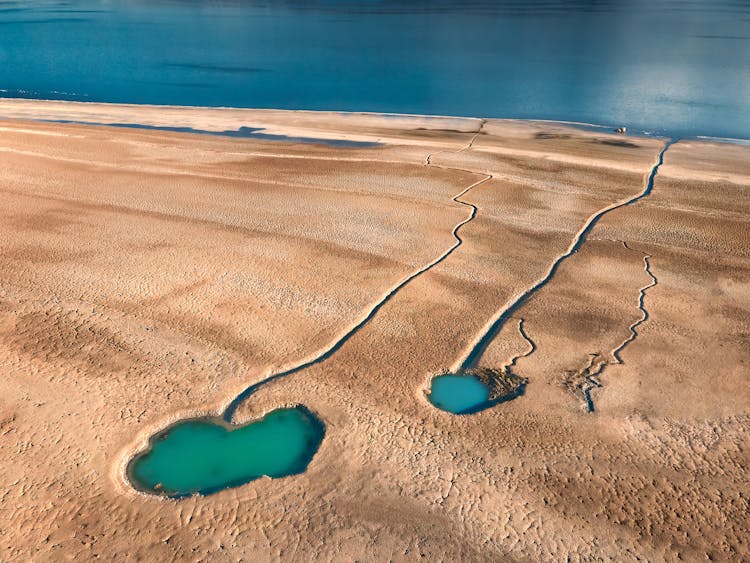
(203, 456)
(207, 455)
(462, 379)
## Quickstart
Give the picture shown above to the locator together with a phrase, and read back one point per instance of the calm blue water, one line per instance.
(681, 67)
(459, 394)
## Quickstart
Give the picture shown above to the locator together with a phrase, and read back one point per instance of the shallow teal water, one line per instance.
(205, 456)
(458, 394)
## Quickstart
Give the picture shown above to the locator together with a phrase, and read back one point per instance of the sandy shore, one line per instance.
(146, 276)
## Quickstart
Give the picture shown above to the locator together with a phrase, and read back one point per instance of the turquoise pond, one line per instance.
(207, 455)
(459, 394)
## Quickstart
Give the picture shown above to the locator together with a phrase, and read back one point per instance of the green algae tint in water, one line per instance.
(459, 394)
(206, 456)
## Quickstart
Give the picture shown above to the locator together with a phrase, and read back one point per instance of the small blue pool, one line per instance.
(459, 394)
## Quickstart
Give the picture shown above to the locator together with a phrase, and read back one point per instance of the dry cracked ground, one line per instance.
(150, 275)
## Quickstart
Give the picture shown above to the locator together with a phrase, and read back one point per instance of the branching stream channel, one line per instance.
(209, 454)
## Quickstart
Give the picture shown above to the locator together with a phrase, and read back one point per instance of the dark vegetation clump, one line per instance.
(503, 384)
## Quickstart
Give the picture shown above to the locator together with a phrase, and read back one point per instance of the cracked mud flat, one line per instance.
(149, 277)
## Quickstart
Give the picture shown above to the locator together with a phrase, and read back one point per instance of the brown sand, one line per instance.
(147, 276)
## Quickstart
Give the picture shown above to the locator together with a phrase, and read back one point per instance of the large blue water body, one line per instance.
(679, 67)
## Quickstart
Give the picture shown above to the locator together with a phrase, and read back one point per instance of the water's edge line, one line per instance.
(607, 128)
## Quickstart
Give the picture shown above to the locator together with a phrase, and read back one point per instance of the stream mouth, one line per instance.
(207, 455)
(473, 391)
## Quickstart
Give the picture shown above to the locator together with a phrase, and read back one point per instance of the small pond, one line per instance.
(208, 455)
(459, 394)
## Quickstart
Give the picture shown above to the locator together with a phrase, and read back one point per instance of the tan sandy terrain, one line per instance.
(147, 276)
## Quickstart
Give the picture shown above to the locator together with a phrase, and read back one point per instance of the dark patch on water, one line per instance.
(179, 84)
(691, 103)
(725, 37)
(69, 11)
(215, 68)
(45, 21)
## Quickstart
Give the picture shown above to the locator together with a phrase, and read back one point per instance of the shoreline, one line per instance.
(265, 112)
